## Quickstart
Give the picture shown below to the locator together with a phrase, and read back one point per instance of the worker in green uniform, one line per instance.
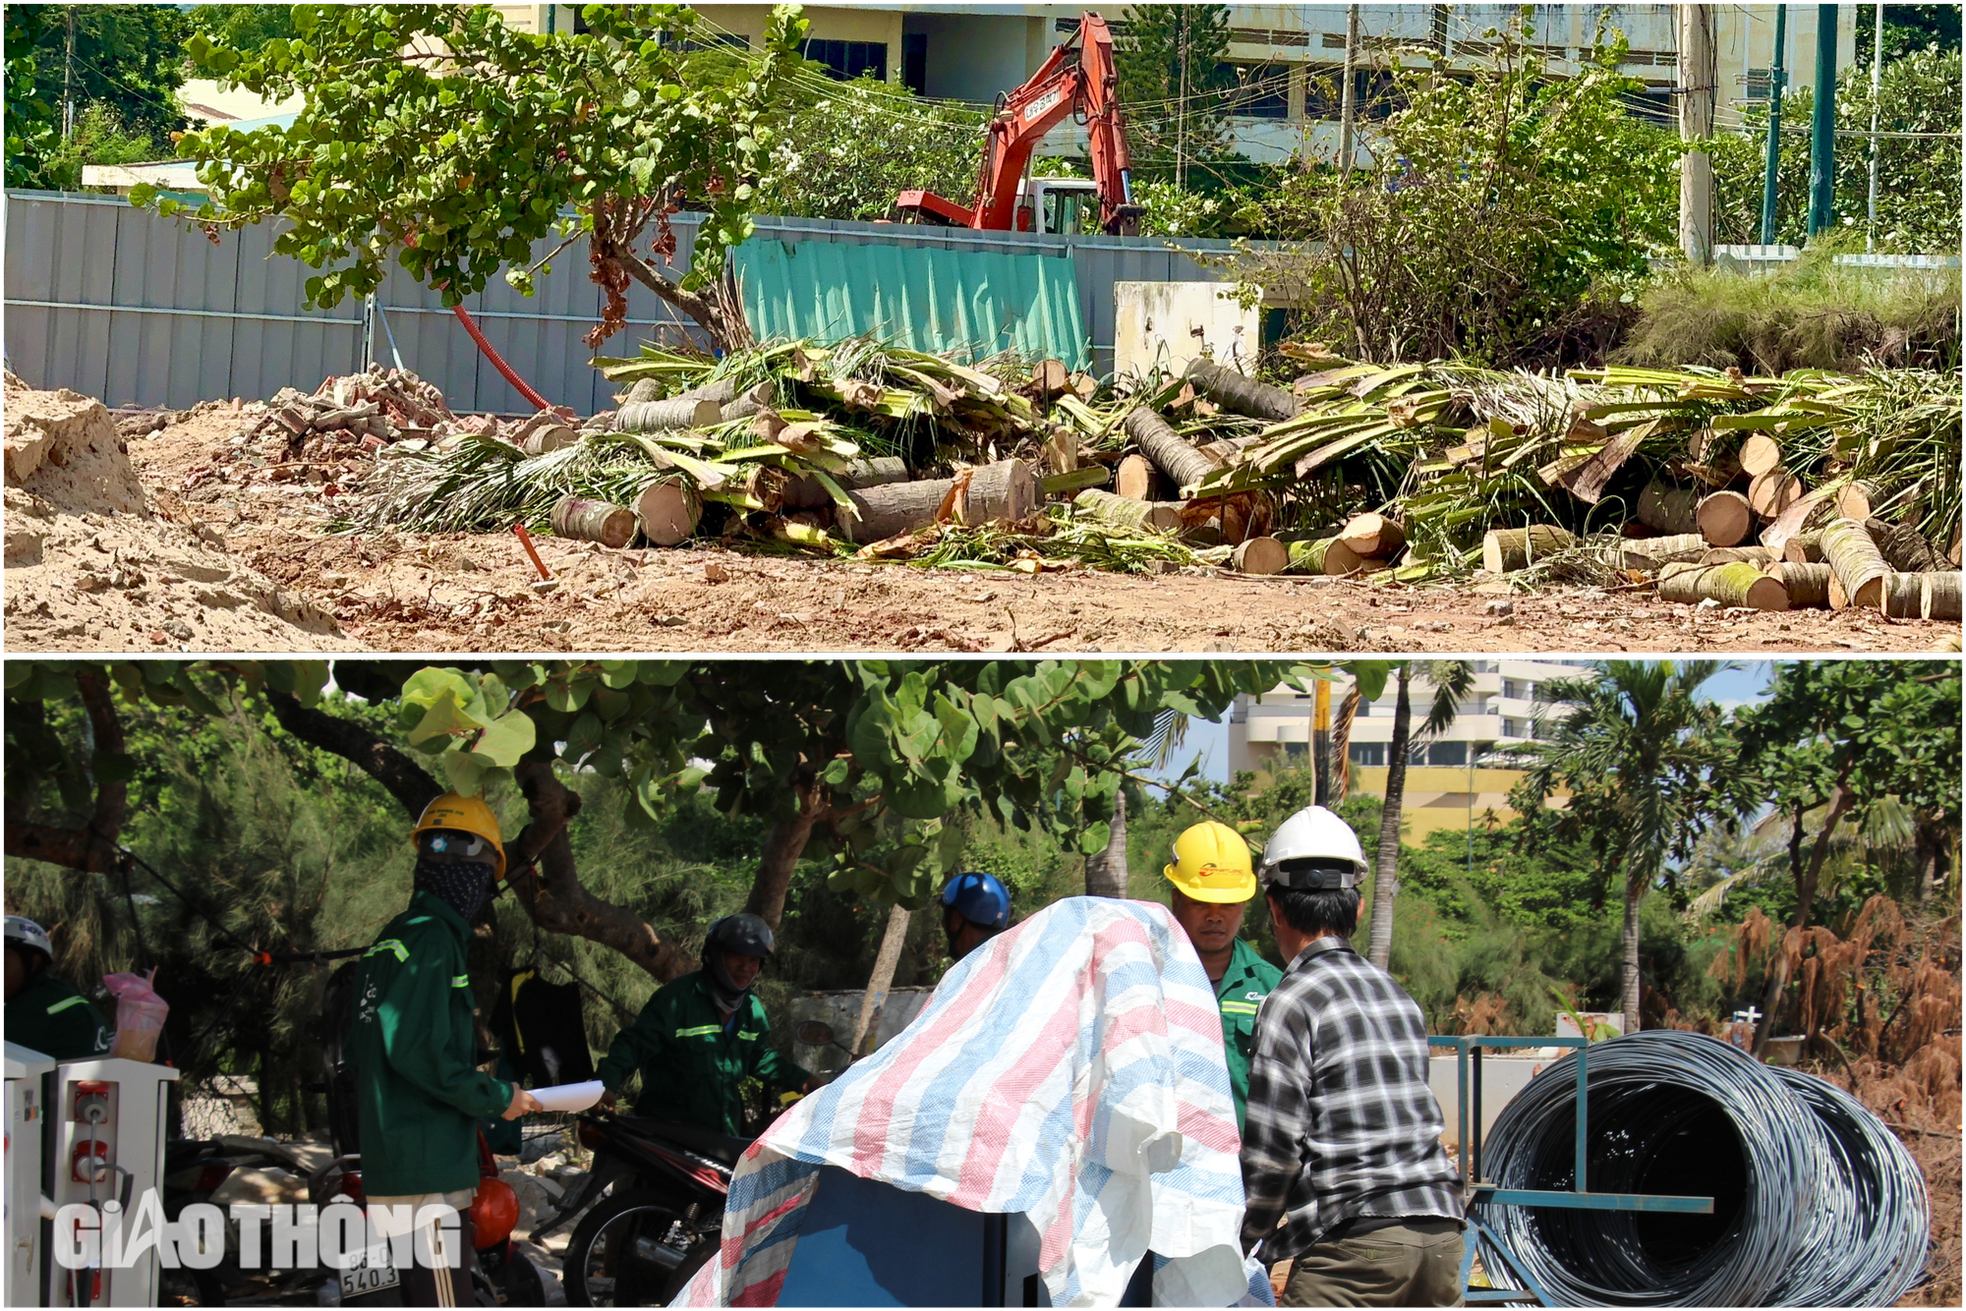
(43, 1012)
(1213, 879)
(701, 1035)
(413, 1047)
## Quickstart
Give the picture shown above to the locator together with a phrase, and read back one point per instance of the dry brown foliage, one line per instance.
(1488, 1013)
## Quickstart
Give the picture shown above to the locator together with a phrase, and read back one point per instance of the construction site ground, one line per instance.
(227, 558)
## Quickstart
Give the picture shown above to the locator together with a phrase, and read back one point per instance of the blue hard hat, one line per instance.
(979, 898)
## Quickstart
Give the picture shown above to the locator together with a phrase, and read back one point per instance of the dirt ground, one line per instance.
(290, 584)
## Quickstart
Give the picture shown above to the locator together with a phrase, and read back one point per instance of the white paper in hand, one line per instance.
(569, 1096)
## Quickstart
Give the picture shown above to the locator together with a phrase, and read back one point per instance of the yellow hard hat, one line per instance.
(464, 815)
(1211, 863)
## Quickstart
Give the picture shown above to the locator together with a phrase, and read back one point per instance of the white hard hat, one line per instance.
(1313, 850)
(27, 933)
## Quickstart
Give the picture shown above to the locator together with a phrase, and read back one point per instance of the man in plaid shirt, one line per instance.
(1343, 1143)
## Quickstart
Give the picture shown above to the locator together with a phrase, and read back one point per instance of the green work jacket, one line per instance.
(57, 1021)
(1243, 985)
(692, 1057)
(418, 1091)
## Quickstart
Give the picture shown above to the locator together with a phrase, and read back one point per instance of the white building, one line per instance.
(1286, 56)
(1451, 780)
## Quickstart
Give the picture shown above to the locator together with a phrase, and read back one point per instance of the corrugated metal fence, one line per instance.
(118, 303)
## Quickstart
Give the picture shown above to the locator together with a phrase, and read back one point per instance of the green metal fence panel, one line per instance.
(967, 303)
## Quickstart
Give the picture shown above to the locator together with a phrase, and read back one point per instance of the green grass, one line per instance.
(1815, 314)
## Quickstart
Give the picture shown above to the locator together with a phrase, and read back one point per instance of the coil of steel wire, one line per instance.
(1869, 1229)
(1815, 1202)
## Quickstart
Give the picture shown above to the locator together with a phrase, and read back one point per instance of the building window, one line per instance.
(1370, 754)
(1447, 753)
(1260, 90)
(1514, 728)
(846, 60)
(1296, 753)
(689, 46)
(1518, 689)
(914, 62)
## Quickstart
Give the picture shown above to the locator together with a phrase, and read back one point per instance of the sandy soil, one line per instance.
(400, 592)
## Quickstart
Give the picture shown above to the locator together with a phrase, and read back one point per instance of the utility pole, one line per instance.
(1321, 789)
(1822, 127)
(1348, 95)
(1181, 111)
(1876, 66)
(1698, 74)
(68, 79)
(1777, 85)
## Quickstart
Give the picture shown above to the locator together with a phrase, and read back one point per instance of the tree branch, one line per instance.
(555, 897)
(93, 848)
(380, 759)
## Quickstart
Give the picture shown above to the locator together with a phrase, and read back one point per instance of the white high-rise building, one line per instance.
(1451, 780)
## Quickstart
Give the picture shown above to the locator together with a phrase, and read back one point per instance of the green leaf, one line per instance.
(1094, 837)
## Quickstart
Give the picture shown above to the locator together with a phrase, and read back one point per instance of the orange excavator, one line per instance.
(1079, 80)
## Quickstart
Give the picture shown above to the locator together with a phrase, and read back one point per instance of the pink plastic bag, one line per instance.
(140, 1015)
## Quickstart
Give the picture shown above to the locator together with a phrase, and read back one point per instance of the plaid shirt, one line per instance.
(1341, 1121)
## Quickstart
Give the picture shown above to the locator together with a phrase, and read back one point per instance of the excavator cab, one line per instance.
(1059, 206)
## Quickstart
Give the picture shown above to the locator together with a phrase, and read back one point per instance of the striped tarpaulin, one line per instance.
(1070, 1069)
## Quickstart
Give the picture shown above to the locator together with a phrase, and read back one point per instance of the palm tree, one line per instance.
(1636, 752)
(1451, 680)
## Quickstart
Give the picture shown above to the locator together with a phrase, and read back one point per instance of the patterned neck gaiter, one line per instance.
(462, 887)
(723, 989)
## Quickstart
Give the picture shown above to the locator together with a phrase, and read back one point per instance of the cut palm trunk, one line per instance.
(549, 437)
(1759, 454)
(1941, 599)
(593, 521)
(674, 413)
(1373, 535)
(668, 512)
(1804, 548)
(808, 493)
(1739, 585)
(1122, 512)
(1309, 557)
(1135, 478)
(1260, 555)
(1904, 549)
(1171, 453)
(1903, 595)
(1807, 584)
(1669, 509)
(1854, 500)
(1755, 555)
(994, 493)
(1773, 492)
(1505, 550)
(1240, 394)
(1724, 518)
(1859, 566)
(1648, 553)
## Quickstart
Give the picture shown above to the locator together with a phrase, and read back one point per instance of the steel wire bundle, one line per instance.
(1870, 1227)
(1815, 1202)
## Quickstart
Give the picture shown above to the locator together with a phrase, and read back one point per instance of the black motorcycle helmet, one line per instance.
(745, 934)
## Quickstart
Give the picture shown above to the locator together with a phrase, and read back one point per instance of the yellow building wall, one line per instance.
(1437, 796)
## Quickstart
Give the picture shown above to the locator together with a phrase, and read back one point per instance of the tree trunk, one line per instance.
(806, 492)
(783, 847)
(1124, 512)
(1105, 873)
(1739, 584)
(1634, 894)
(1385, 877)
(593, 521)
(1260, 555)
(1858, 564)
(1504, 550)
(668, 512)
(1807, 584)
(1005, 491)
(1240, 394)
(1669, 509)
(91, 849)
(867, 1027)
(1173, 454)
(555, 897)
(1778, 969)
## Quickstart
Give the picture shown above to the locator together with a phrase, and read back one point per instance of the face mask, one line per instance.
(722, 986)
(462, 887)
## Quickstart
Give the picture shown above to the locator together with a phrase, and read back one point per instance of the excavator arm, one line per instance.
(1079, 80)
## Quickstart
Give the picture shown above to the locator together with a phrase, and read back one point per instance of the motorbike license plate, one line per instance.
(364, 1279)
